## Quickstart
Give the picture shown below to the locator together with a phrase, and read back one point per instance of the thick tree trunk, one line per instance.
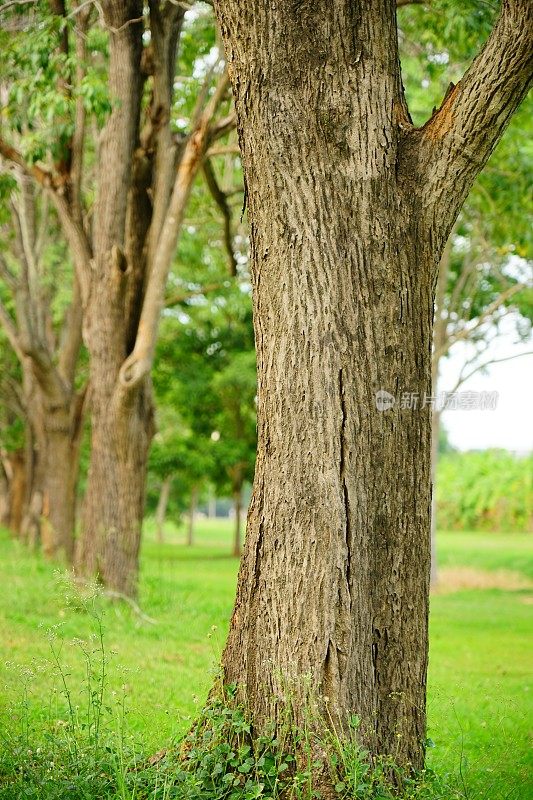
(121, 419)
(121, 432)
(110, 538)
(17, 490)
(162, 505)
(4, 496)
(237, 505)
(35, 475)
(193, 501)
(332, 598)
(62, 444)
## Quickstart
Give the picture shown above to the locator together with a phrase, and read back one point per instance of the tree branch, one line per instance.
(7, 276)
(70, 343)
(454, 145)
(139, 362)
(491, 309)
(463, 378)
(11, 332)
(182, 297)
(222, 202)
(166, 29)
(78, 136)
(74, 232)
(440, 323)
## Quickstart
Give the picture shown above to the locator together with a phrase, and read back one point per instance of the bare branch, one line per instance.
(70, 344)
(466, 332)
(78, 136)
(469, 268)
(139, 363)
(43, 228)
(440, 324)
(182, 297)
(480, 367)
(223, 126)
(223, 150)
(74, 232)
(222, 202)
(165, 29)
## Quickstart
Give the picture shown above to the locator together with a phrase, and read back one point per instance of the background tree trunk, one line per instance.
(63, 432)
(121, 421)
(237, 505)
(439, 339)
(35, 467)
(435, 429)
(193, 500)
(17, 489)
(162, 504)
(113, 509)
(4, 496)
(212, 504)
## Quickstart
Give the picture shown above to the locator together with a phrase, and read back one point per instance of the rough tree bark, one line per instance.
(121, 425)
(349, 208)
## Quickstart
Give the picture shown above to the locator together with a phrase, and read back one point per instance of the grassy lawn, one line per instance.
(480, 688)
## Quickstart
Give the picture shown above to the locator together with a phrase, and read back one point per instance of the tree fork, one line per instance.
(349, 208)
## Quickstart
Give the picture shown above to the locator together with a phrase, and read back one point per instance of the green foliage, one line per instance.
(205, 385)
(356, 776)
(221, 761)
(490, 490)
(81, 749)
(40, 102)
(89, 752)
(479, 708)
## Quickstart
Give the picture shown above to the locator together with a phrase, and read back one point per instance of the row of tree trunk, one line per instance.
(121, 256)
(162, 505)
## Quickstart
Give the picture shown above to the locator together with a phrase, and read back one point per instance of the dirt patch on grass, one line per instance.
(456, 579)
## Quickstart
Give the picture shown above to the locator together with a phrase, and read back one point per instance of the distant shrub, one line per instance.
(491, 490)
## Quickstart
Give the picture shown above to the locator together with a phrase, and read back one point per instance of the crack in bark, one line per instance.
(346, 499)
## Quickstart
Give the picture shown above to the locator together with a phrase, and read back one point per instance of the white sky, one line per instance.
(510, 425)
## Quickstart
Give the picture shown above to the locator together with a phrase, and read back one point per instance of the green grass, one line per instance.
(480, 690)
